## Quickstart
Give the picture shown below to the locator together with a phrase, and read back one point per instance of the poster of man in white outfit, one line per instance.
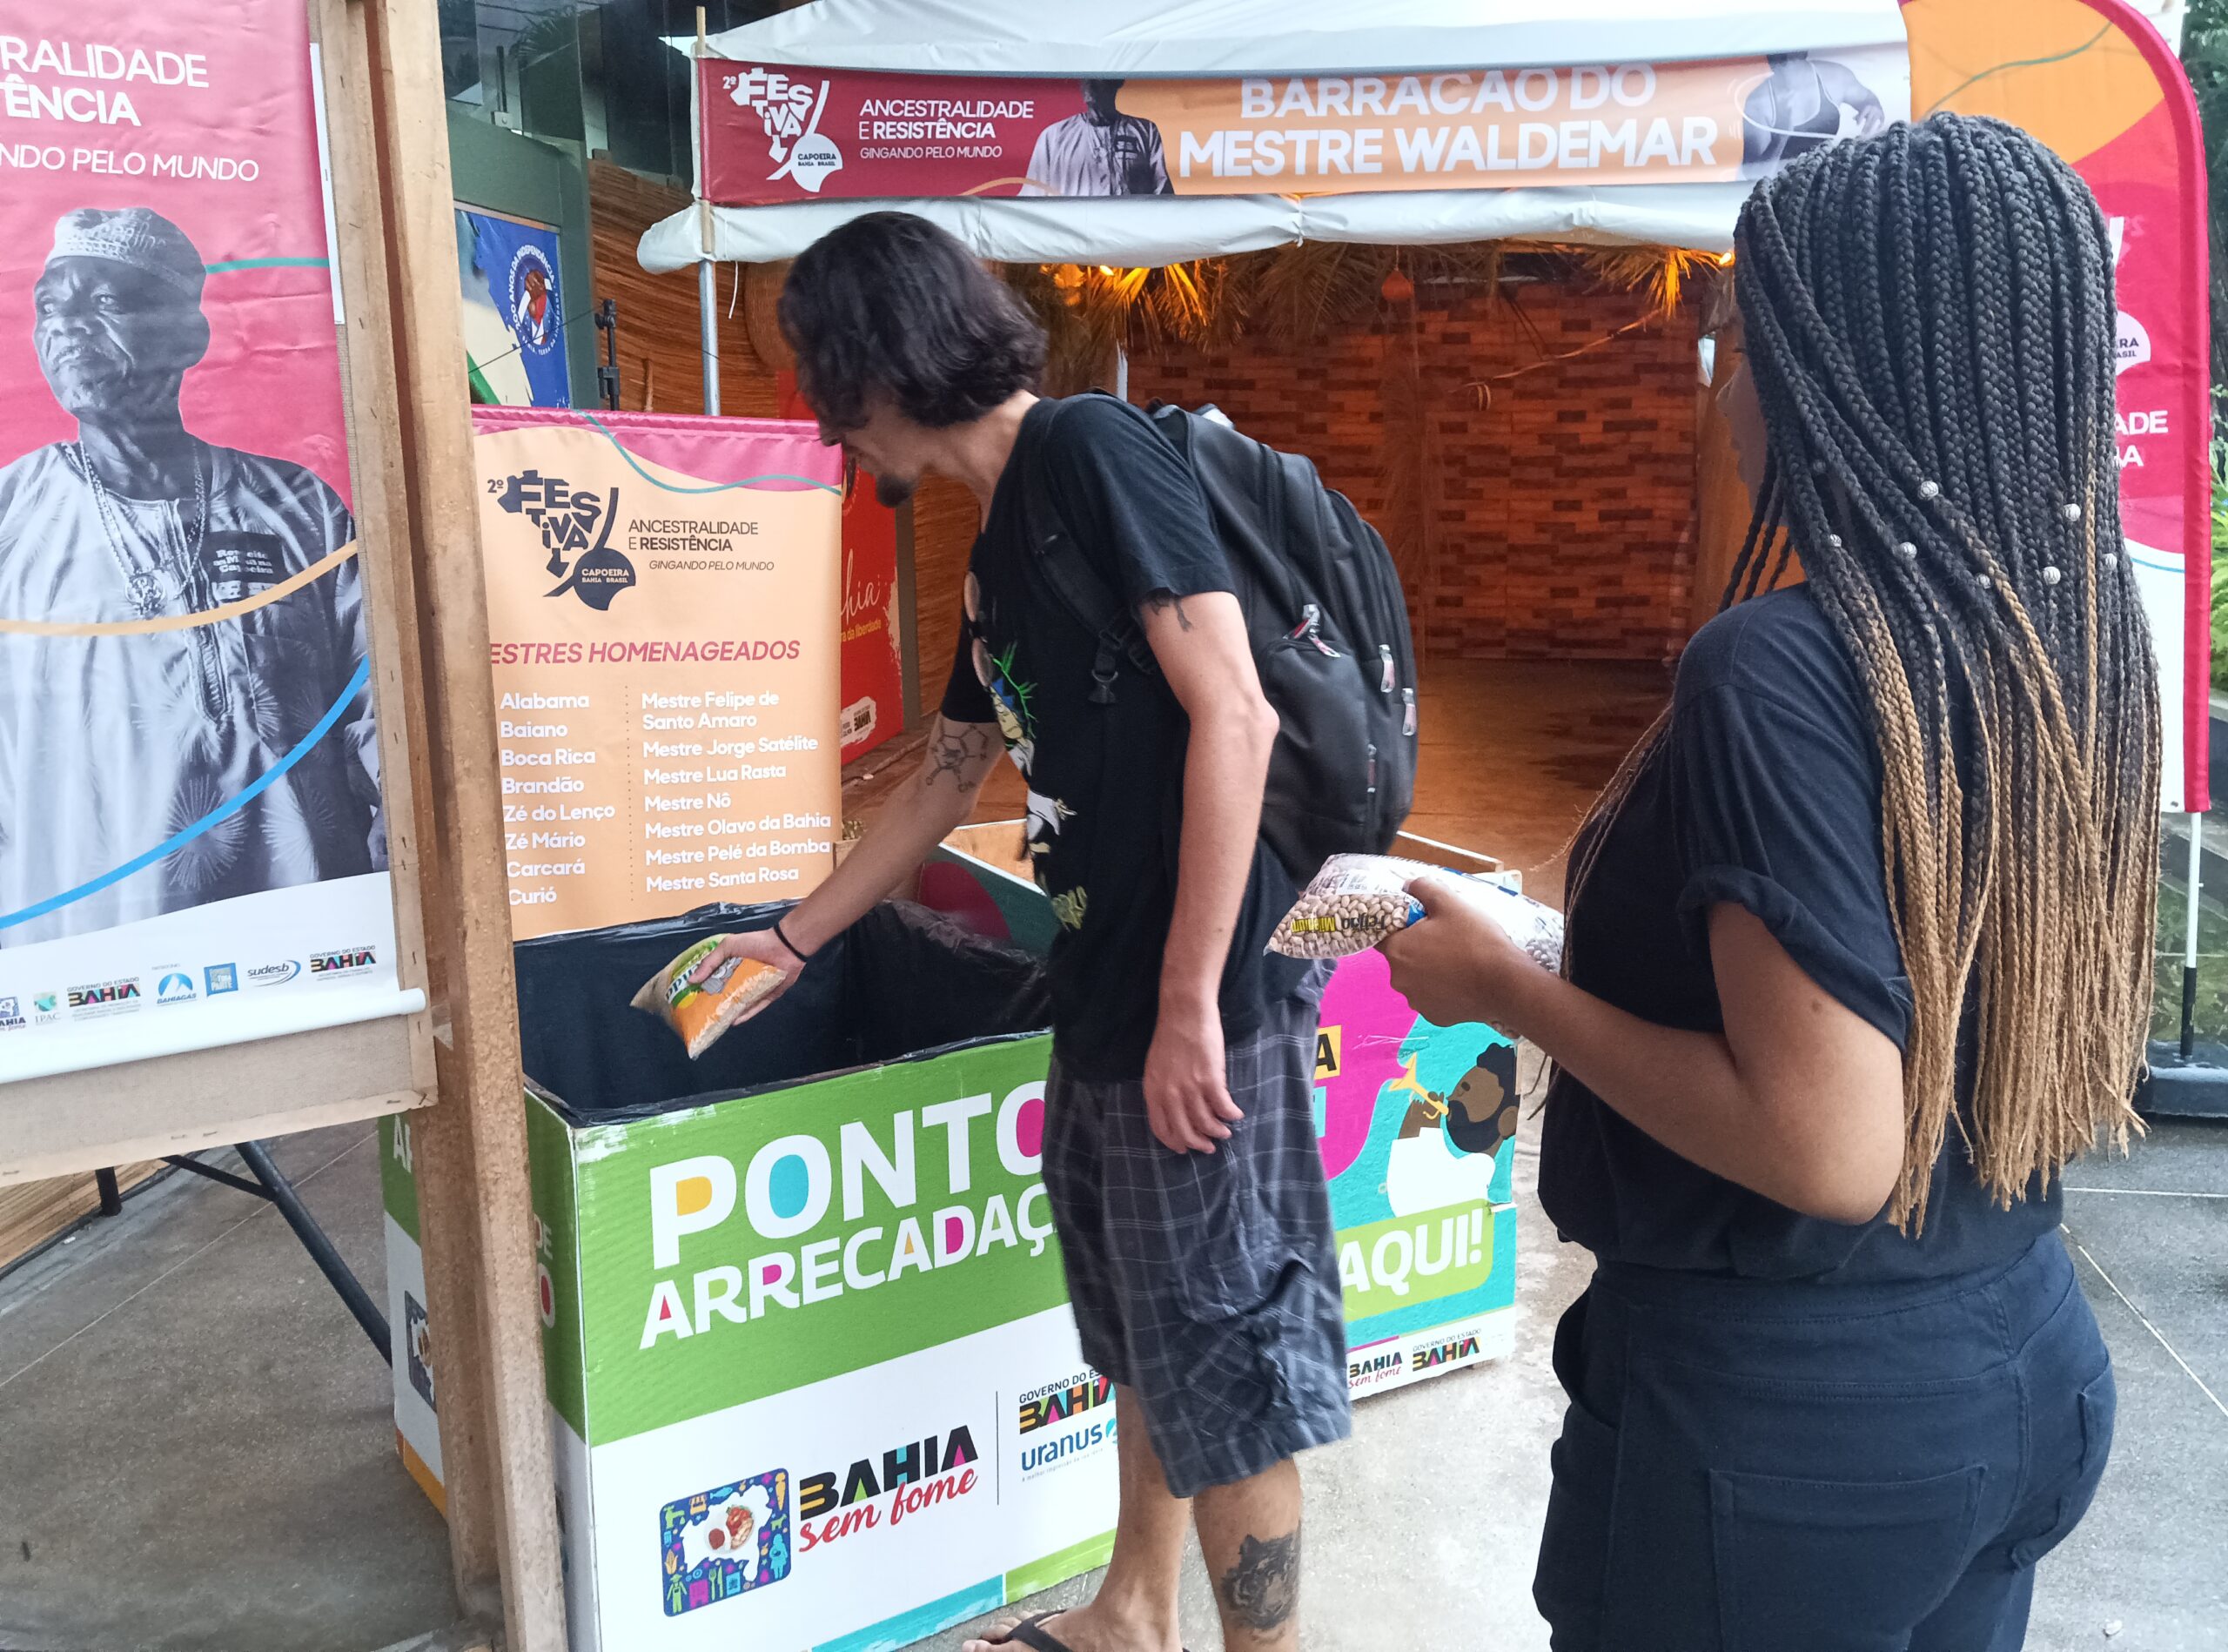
(191, 676)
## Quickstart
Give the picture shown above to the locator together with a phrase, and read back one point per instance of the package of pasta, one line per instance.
(700, 1012)
(1358, 900)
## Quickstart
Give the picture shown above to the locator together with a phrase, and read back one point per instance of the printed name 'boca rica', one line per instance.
(914, 1477)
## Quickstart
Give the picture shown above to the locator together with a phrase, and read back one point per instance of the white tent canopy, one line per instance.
(1215, 39)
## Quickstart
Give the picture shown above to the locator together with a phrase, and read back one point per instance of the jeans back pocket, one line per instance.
(1834, 1566)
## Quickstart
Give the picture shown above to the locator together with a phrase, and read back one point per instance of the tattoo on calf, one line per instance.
(1262, 1591)
(954, 751)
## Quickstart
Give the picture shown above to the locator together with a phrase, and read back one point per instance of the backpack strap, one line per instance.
(1080, 589)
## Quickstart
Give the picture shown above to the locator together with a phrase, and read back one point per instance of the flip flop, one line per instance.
(1031, 1632)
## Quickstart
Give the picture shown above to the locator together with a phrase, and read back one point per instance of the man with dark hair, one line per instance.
(1100, 152)
(1179, 1149)
(175, 682)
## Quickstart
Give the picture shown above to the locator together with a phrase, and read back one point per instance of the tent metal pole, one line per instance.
(708, 307)
(2195, 823)
(1122, 371)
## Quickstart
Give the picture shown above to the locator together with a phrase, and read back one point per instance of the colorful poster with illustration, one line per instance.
(194, 850)
(776, 133)
(1417, 1124)
(2093, 80)
(514, 312)
(661, 611)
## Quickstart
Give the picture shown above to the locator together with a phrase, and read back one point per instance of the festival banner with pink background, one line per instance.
(195, 850)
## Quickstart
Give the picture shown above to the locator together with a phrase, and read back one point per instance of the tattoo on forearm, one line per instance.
(1161, 601)
(959, 753)
(1262, 1591)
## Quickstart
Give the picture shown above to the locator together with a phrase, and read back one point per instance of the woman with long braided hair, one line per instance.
(1859, 953)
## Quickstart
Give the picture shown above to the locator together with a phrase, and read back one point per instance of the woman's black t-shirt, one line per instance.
(1765, 794)
(1105, 780)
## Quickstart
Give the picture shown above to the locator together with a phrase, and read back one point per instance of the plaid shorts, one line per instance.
(1208, 1283)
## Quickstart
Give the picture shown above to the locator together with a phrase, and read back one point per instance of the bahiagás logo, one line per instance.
(790, 110)
(576, 527)
(175, 987)
(331, 966)
(725, 1542)
(276, 974)
(532, 300)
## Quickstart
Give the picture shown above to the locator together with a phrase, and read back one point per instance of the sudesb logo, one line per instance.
(576, 527)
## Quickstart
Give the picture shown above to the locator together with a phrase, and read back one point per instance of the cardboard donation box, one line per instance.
(812, 1379)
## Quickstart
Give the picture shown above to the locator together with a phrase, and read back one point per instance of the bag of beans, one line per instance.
(700, 1013)
(1358, 900)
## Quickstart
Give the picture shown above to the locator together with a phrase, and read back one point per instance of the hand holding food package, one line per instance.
(700, 1012)
(1358, 900)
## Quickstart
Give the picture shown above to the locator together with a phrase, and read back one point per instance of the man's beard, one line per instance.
(892, 492)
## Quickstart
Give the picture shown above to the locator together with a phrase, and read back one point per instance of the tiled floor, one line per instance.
(195, 1450)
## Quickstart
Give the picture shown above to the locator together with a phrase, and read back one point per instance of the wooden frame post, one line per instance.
(395, 211)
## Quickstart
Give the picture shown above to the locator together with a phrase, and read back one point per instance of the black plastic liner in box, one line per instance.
(903, 981)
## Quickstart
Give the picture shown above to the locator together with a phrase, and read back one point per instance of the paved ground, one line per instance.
(195, 1449)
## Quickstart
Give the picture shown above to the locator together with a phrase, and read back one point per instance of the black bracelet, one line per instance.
(800, 957)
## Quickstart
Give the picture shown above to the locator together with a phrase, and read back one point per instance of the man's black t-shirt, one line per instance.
(1105, 782)
(1764, 794)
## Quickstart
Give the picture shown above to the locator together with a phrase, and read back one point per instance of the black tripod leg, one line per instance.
(314, 1239)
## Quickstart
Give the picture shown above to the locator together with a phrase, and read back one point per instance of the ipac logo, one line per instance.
(355, 960)
(175, 987)
(106, 997)
(46, 1007)
(790, 110)
(575, 530)
(725, 1542)
(274, 975)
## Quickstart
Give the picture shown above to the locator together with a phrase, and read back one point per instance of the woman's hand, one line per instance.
(1454, 963)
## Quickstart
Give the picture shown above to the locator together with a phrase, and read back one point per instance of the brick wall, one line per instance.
(1553, 522)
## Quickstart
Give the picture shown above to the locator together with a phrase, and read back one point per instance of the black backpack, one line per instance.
(1328, 624)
